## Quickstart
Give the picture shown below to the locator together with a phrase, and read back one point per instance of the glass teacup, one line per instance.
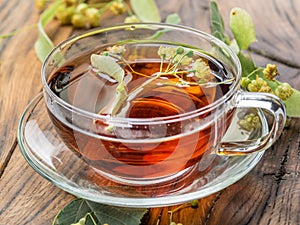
(147, 103)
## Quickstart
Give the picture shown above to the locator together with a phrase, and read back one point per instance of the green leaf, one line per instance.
(101, 213)
(107, 65)
(242, 27)
(217, 23)
(293, 104)
(173, 18)
(247, 63)
(114, 106)
(44, 45)
(146, 10)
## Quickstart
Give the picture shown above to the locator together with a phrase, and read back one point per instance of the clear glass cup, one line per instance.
(168, 123)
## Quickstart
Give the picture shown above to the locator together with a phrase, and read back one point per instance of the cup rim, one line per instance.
(208, 37)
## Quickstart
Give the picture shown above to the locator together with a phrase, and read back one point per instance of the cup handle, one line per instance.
(268, 102)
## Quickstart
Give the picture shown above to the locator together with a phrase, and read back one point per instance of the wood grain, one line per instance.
(268, 195)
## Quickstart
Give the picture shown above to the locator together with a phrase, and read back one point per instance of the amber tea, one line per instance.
(146, 96)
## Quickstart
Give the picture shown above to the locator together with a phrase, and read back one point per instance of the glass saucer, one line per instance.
(49, 156)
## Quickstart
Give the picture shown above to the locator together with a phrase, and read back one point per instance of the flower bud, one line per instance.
(245, 82)
(81, 8)
(92, 17)
(131, 19)
(271, 71)
(64, 14)
(284, 91)
(118, 8)
(79, 21)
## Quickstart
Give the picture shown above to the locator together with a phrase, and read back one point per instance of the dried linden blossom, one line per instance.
(203, 71)
(166, 53)
(117, 49)
(176, 55)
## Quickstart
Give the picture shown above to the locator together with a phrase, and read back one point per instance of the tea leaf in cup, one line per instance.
(107, 65)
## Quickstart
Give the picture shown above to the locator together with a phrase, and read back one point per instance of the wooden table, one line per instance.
(269, 194)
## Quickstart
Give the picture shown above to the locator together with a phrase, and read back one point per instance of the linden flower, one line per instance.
(132, 19)
(284, 91)
(259, 85)
(202, 71)
(183, 60)
(166, 52)
(40, 4)
(249, 122)
(81, 8)
(93, 17)
(245, 81)
(117, 49)
(118, 8)
(271, 71)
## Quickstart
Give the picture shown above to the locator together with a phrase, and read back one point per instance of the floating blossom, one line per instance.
(270, 72)
(202, 71)
(166, 53)
(117, 49)
(182, 57)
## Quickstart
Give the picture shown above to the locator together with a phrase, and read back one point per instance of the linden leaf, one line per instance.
(44, 45)
(217, 23)
(247, 63)
(146, 10)
(293, 104)
(107, 65)
(173, 18)
(117, 102)
(101, 214)
(242, 27)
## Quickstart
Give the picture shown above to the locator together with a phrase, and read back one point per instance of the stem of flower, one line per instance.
(91, 217)
(255, 71)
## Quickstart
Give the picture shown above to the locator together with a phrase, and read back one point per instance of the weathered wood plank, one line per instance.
(14, 70)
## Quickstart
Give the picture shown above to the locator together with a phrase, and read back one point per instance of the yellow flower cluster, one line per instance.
(281, 90)
(79, 15)
(259, 85)
(270, 72)
(118, 7)
(249, 122)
